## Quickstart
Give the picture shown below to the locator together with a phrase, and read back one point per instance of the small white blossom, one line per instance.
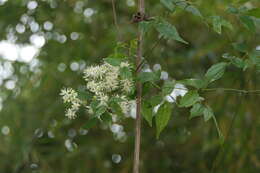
(89, 109)
(127, 85)
(179, 90)
(157, 67)
(103, 99)
(93, 72)
(125, 107)
(70, 113)
(164, 75)
(68, 95)
(132, 106)
(124, 64)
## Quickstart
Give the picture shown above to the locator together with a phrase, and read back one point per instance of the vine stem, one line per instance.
(141, 9)
(115, 19)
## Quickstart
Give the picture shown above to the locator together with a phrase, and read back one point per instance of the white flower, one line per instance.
(103, 99)
(156, 108)
(111, 83)
(157, 67)
(132, 108)
(70, 113)
(164, 75)
(125, 107)
(93, 72)
(124, 64)
(179, 90)
(90, 110)
(68, 95)
(127, 85)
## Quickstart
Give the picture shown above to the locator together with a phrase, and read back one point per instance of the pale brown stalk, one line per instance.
(136, 165)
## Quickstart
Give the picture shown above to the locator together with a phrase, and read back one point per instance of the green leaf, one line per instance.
(184, 5)
(254, 12)
(133, 47)
(115, 107)
(193, 10)
(84, 95)
(248, 23)
(162, 117)
(248, 64)
(91, 123)
(156, 100)
(196, 83)
(235, 60)
(254, 57)
(147, 112)
(168, 4)
(100, 110)
(94, 105)
(148, 77)
(241, 47)
(168, 31)
(106, 118)
(216, 71)
(218, 22)
(238, 62)
(120, 50)
(125, 73)
(189, 99)
(145, 26)
(113, 61)
(232, 9)
(168, 87)
(196, 110)
(208, 113)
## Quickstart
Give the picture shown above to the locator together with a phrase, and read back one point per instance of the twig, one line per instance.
(141, 9)
(232, 90)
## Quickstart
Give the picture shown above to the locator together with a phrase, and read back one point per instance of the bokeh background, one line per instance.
(45, 45)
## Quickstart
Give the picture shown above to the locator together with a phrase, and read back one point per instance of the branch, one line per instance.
(141, 9)
(232, 90)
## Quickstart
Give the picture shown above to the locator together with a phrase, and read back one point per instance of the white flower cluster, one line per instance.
(71, 96)
(103, 80)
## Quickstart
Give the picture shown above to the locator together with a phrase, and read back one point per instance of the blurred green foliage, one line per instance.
(34, 113)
